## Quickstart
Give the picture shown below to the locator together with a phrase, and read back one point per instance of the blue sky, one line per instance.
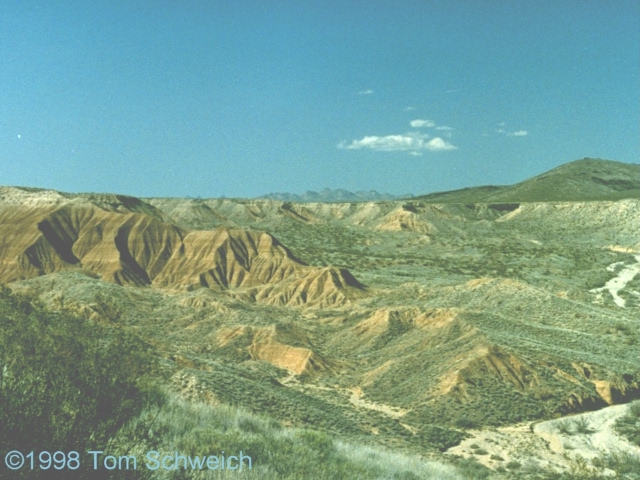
(241, 98)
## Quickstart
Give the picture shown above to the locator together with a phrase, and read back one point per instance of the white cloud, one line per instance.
(408, 109)
(438, 144)
(413, 143)
(418, 123)
(365, 92)
(444, 128)
(517, 133)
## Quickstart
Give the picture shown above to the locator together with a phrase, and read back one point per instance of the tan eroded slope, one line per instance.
(130, 248)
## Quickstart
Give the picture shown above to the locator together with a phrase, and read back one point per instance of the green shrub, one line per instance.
(574, 426)
(564, 426)
(513, 465)
(441, 438)
(66, 383)
(629, 424)
(470, 468)
(621, 463)
(466, 423)
(581, 425)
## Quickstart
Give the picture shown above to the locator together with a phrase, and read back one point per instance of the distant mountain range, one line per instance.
(339, 195)
(581, 180)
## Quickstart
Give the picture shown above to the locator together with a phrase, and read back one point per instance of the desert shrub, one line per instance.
(564, 426)
(513, 465)
(629, 424)
(621, 463)
(573, 426)
(466, 423)
(108, 308)
(66, 383)
(441, 438)
(579, 469)
(623, 466)
(251, 425)
(471, 469)
(581, 425)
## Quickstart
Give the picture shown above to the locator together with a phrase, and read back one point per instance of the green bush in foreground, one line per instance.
(66, 384)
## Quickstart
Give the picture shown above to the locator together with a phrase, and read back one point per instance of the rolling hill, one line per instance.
(582, 180)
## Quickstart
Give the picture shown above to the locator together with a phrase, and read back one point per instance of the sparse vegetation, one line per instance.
(574, 426)
(607, 466)
(629, 424)
(198, 429)
(471, 469)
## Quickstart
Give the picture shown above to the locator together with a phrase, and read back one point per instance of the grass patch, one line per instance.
(195, 428)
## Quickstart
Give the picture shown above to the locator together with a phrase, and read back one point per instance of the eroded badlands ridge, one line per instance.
(112, 238)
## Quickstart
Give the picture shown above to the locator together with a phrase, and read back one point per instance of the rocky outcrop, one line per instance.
(284, 346)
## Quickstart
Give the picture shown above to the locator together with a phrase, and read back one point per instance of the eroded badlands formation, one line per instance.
(121, 240)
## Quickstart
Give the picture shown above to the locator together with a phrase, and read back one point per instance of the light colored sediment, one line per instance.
(543, 445)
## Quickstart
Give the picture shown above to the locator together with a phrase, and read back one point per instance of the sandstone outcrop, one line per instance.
(284, 346)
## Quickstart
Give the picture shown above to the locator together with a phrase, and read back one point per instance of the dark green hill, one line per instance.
(582, 180)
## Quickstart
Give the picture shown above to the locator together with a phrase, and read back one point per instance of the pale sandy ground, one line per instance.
(618, 283)
(542, 445)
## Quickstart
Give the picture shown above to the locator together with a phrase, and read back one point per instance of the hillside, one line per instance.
(582, 180)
